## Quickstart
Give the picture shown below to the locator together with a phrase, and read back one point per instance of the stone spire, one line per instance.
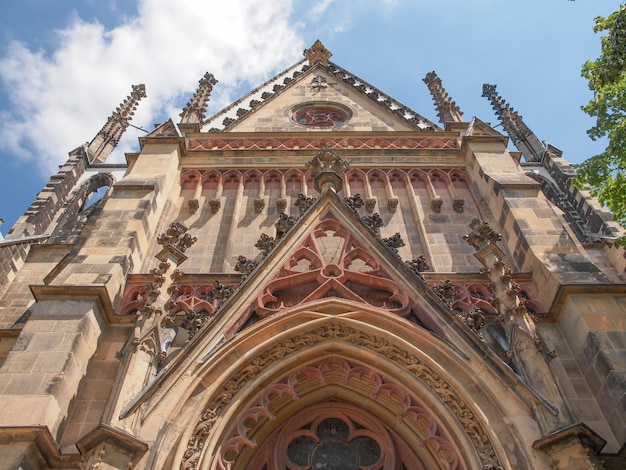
(447, 110)
(523, 138)
(195, 109)
(317, 53)
(105, 141)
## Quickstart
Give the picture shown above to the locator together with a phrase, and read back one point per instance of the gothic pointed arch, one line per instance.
(75, 212)
(278, 397)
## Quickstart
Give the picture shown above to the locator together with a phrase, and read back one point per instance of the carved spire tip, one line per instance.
(317, 54)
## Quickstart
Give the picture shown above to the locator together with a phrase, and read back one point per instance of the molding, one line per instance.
(577, 431)
(45, 446)
(119, 439)
(97, 293)
(566, 290)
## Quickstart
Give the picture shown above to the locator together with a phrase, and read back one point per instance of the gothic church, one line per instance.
(315, 277)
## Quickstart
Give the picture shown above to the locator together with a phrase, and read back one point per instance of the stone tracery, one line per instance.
(336, 331)
(331, 264)
(365, 383)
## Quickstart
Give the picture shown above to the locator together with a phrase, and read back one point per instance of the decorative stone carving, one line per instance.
(457, 205)
(436, 204)
(418, 265)
(225, 142)
(215, 205)
(354, 202)
(259, 205)
(303, 203)
(394, 242)
(196, 107)
(481, 235)
(523, 138)
(369, 385)
(193, 205)
(447, 110)
(392, 204)
(373, 221)
(446, 292)
(281, 205)
(370, 205)
(108, 137)
(474, 319)
(176, 237)
(318, 83)
(331, 264)
(245, 266)
(265, 243)
(317, 54)
(283, 224)
(223, 398)
(194, 322)
(221, 292)
(327, 167)
(528, 353)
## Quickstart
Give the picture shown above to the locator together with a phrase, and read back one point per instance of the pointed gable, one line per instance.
(317, 97)
(329, 252)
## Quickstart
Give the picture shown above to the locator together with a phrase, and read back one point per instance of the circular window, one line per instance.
(321, 115)
(334, 446)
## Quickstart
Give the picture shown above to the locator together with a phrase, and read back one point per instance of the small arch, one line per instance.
(189, 179)
(439, 179)
(211, 179)
(294, 180)
(397, 179)
(252, 179)
(377, 179)
(459, 179)
(273, 179)
(418, 179)
(232, 179)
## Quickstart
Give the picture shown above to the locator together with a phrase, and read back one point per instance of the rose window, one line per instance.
(333, 445)
(321, 115)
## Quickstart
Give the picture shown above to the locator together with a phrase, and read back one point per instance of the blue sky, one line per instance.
(65, 65)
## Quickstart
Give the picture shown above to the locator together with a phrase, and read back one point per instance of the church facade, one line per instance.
(315, 277)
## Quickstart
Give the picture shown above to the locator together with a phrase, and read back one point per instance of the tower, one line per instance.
(316, 276)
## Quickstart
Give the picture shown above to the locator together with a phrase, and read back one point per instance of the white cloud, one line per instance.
(61, 100)
(318, 9)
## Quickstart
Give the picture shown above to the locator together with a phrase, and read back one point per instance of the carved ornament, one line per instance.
(257, 364)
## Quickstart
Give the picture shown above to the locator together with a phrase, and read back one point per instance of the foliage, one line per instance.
(606, 173)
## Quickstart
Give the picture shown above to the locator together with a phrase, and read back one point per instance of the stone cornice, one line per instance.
(45, 446)
(318, 140)
(566, 290)
(97, 293)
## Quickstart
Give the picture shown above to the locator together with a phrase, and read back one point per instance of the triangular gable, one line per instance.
(482, 129)
(329, 263)
(329, 257)
(328, 252)
(167, 129)
(271, 105)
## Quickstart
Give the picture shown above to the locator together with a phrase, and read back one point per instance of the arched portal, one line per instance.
(343, 361)
(336, 414)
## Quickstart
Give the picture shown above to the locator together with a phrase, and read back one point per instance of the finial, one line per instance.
(447, 110)
(196, 107)
(105, 141)
(317, 53)
(327, 167)
(523, 138)
(481, 235)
